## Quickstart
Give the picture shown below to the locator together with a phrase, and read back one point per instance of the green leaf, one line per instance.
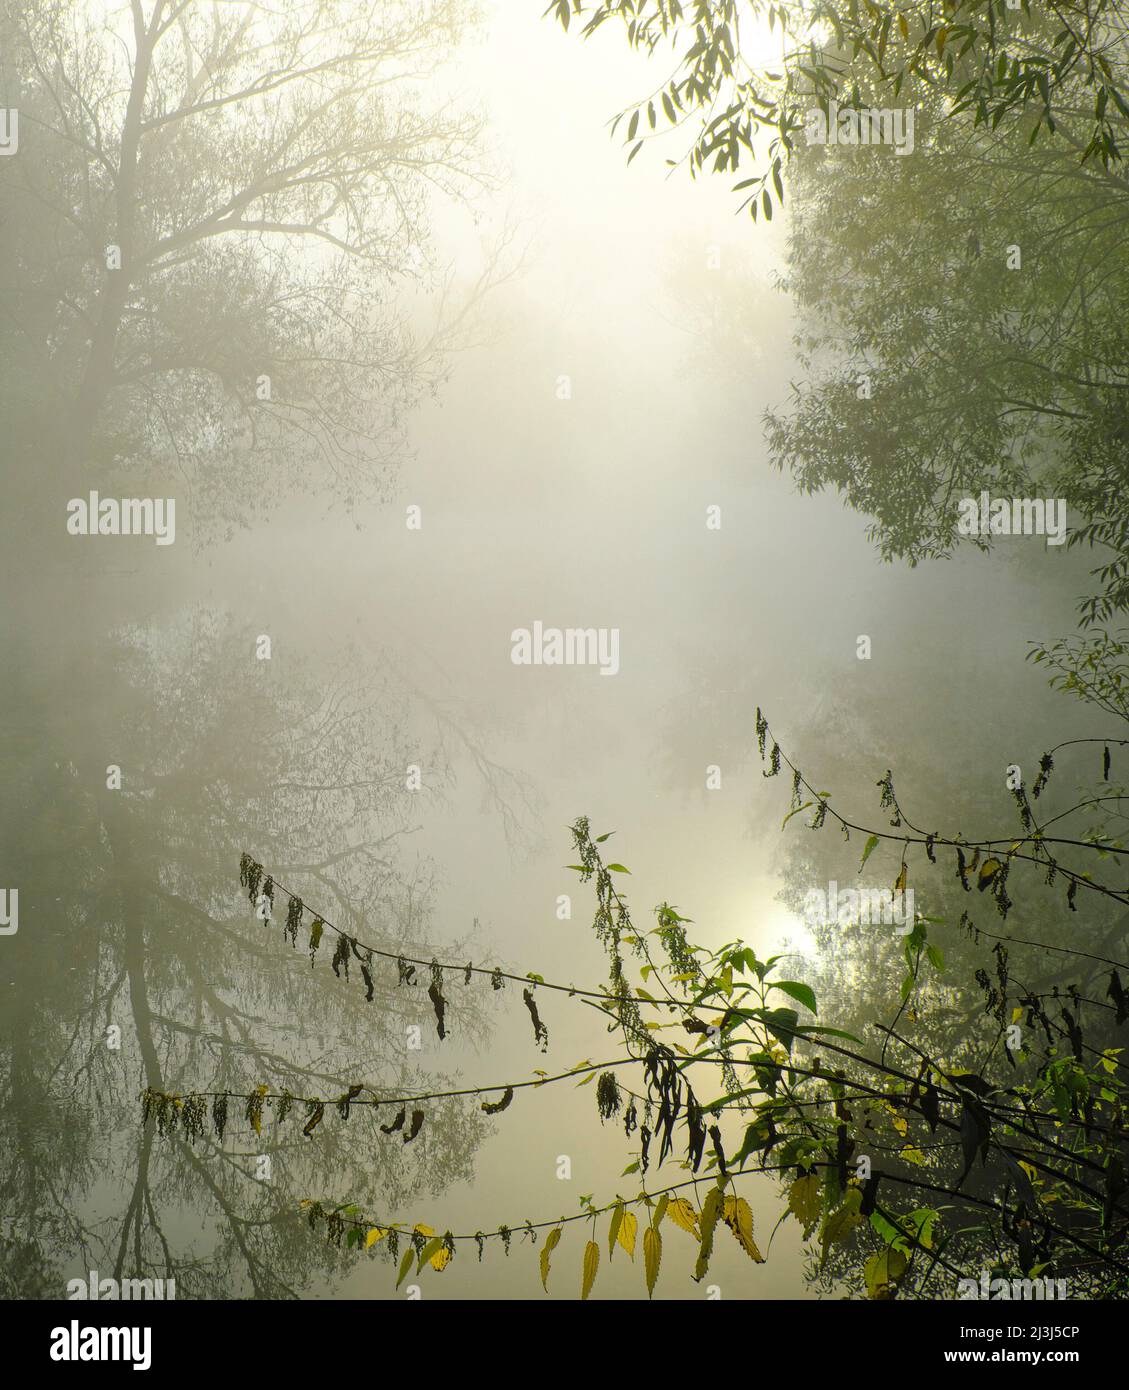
(613, 1228)
(652, 1257)
(711, 1209)
(799, 991)
(617, 869)
(869, 848)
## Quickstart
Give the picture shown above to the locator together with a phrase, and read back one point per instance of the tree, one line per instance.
(976, 291)
(962, 324)
(211, 216)
(1062, 63)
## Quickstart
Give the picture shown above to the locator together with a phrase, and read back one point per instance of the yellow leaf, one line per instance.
(842, 1222)
(432, 1252)
(373, 1236)
(903, 26)
(546, 1250)
(805, 1202)
(422, 1230)
(898, 1121)
(627, 1231)
(988, 870)
(883, 1271)
(652, 1257)
(942, 35)
(682, 1213)
(738, 1217)
(591, 1265)
(900, 881)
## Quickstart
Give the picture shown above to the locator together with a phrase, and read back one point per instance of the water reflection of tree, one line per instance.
(145, 932)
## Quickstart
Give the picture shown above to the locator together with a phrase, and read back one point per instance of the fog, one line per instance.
(564, 461)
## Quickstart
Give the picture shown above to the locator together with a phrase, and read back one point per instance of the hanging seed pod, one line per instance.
(254, 1109)
(346, 1100)
(250, 876)
(1046, 767)
(496, 979)
(496, 1107)
(341, 956)
(540, 1032)
(397, 1123)
(608, 1098)
(315, 937)
(407, 972)
(438, 1003)
(195, 1114)
(219, 1116)
(293, 920)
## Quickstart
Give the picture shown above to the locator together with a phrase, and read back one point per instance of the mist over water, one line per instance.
(391, 647)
